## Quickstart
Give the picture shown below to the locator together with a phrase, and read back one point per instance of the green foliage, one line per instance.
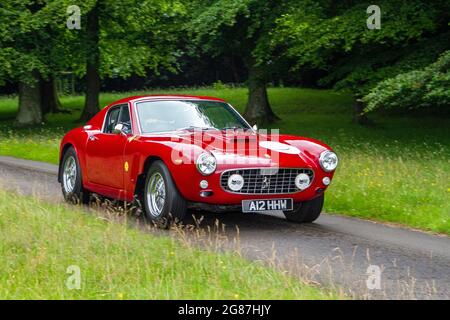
(213, 25)
(236, 27)
(219, 85)
(139, 35)
(333, 37)
(134, 36)
(414, 89)
(29, 34)
(315, 31)
(360, 73)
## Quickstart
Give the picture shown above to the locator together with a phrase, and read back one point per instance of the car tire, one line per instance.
(71, 179)
(307, 211)
(163, 203)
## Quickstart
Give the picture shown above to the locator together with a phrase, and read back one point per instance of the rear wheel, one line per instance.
(307, 211)
(71, 181)
(163, 203)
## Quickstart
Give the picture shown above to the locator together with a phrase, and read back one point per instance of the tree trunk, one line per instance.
(30, 112)
(359, 115)
(49, 96)
(258, 110)
(91, 106)
(231, 62)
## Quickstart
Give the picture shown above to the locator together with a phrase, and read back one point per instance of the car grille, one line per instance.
(266, 180)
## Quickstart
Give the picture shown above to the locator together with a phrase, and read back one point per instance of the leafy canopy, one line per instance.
(27, 37)
(334, 37)
(235, 27)
(419, 88)
(134, 36)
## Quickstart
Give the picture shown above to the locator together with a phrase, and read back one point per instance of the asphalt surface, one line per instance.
(335, 251)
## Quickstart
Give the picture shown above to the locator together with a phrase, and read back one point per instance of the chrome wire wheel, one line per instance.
(70, 174)
(156, 194)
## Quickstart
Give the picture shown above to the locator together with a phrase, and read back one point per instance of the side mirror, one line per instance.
(255, 127)
(119, 129)
(89, 127)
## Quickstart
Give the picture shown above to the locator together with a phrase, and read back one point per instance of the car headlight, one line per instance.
(206, 163)
(328, 160)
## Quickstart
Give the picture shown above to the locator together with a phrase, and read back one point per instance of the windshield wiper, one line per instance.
(190, 128)
(235, 128)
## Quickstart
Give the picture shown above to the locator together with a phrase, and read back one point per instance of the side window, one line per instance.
(111, 120)
(124, 118)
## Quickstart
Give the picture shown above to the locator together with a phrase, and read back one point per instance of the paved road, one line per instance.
(334, 251)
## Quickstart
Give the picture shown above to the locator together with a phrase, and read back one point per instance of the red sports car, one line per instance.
(168, 153)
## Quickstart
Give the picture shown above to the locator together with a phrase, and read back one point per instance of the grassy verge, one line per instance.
(396, 171)
(39, 241)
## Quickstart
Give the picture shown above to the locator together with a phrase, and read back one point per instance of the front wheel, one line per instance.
(163, 203)
(71, 183)
(308, 211)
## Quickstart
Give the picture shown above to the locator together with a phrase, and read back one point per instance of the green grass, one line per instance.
(396, 171)
(39, 241)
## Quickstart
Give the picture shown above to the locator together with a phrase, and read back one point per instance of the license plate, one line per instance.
(267, 205)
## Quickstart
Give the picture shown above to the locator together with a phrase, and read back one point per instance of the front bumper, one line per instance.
(216, 195)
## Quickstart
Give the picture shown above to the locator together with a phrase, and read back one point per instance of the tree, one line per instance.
(30, 111)
(28, 31)
(127, 37)
(333, 37)
(427, 87)
(117, 39)
(91, 106)
(49, 96)
(241, 28)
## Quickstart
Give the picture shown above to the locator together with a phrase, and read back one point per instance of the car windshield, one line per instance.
(162, 116)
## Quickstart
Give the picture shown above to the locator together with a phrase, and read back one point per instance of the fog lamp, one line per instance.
(235, 182)
(302, 181)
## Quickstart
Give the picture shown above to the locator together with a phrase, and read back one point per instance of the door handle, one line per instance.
(93, 137)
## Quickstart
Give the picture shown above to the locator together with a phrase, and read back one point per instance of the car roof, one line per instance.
(166, 97)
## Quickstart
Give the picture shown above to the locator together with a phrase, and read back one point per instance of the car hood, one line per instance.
(247, 149)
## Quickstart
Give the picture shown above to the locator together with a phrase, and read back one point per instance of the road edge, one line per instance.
(52, 169)
(29, 165)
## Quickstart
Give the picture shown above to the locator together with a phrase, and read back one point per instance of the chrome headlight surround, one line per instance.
(328, 160)
(206, 163)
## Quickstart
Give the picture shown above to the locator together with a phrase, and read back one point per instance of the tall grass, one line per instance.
(39, 242)
(409, 186)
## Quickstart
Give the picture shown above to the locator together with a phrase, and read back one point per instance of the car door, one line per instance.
(105, 150)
